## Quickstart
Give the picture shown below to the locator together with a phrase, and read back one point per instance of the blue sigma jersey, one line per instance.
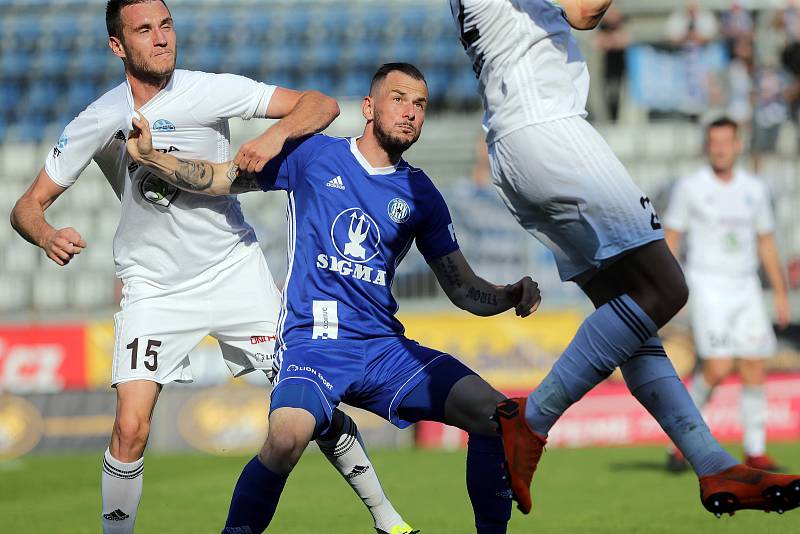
(349, 226)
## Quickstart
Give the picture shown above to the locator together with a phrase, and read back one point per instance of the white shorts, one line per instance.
(236, 302)
(729, 319)
(566, 187)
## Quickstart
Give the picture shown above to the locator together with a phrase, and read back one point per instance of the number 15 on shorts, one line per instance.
(150, 359)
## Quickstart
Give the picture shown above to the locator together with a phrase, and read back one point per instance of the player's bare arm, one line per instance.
(300, 112)
(472, 293)
(28, 220)
(197, 176)
(584, 14)
(768, 254)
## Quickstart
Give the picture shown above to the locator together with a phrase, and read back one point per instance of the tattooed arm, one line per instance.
(197, 176)
(472, 293)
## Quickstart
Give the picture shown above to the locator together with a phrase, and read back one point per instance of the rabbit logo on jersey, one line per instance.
(356, 238)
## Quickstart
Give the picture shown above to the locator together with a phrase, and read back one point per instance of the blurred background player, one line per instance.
(339, 339)
(728, 217)
(564, 185)
(175, 289)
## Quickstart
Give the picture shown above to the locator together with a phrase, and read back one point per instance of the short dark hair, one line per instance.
(723, 122)
(384, 70)
(114, 14)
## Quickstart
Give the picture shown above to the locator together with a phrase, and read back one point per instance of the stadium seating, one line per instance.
(63, 45)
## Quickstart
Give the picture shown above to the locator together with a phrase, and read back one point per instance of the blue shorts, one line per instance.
(374, 375)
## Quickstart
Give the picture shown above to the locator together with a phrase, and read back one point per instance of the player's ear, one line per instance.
(366, 108)
(115, 44)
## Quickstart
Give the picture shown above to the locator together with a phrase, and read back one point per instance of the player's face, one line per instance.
(398, 111)
(723, 147)
(148, 40)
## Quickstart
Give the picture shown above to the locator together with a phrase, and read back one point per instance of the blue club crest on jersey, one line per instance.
(163, 125)
(399, 211)
(62, 141)
(355, 235)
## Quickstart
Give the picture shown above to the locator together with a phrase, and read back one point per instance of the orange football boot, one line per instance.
(523, 448)
(744, 488)
(763, 462)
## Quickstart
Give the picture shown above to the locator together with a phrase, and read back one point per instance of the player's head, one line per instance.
(140, 32)
(723, 144)
(395, 106)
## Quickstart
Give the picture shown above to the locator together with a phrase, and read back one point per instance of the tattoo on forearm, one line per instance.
(194, 175)
(241, 181)
(449, 269)
(233, 172)
(482, 296)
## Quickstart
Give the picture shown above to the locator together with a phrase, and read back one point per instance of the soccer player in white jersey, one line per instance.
(176, 289)
(564, 185)
(727, 216)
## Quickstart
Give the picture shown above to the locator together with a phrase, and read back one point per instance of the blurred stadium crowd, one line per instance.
(659, 68)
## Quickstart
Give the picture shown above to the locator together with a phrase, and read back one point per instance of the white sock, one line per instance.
(122, 491)
(347, 453)
(700, 391)
(754, 420)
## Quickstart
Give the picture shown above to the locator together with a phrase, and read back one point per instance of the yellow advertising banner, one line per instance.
(509, 352)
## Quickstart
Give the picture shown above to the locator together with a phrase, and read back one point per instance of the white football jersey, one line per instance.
(165, 236)
(722, 221)
(529, 66)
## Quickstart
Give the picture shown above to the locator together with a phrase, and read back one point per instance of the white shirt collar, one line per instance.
(365, 164)
(157, 96)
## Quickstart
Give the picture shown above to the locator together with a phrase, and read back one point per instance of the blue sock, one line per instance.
(652, 379)
(605, 340)
(254, 500)
(487, 484)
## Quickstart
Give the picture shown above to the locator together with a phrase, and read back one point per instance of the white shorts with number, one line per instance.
(565, 186)
(729, 319)
(236, 302)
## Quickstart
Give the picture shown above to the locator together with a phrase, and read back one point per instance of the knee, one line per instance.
(665, 298)
(132, 433)
(474, 412)
(283, 449)
(679, 292)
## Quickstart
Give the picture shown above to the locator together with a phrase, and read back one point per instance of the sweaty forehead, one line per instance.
(398, 81)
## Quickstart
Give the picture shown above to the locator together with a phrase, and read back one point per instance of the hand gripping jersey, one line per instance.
(722, 221)
(529, 66)
(165, 236)
(350, 225)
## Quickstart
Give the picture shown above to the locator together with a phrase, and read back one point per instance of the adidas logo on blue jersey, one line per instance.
(336, 183)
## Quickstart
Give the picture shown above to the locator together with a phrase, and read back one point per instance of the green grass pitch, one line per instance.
(609, 490)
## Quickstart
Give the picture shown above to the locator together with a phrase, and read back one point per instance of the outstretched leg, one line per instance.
(343, 447)
(634, 297)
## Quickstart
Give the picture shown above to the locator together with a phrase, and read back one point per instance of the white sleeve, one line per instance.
(677, 215)
(765, 219)
(231, 95)
(75, 149)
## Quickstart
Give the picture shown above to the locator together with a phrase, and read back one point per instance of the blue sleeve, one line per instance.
(435, 234)
(282, 171)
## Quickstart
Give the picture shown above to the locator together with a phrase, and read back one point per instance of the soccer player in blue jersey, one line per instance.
(355, 209)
